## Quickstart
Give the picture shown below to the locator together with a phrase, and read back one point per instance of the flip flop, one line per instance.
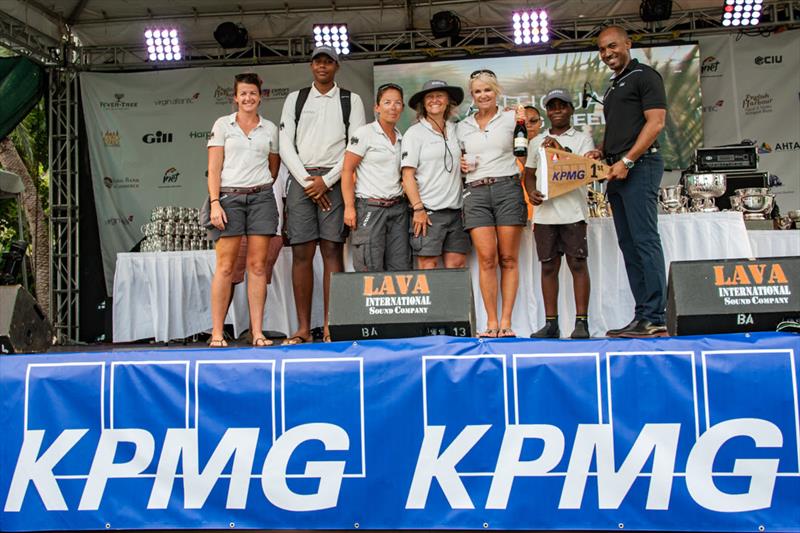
(489, 333)
(262, 342)
(506, 333)
(217, 343)
(296, 339)
(326, 338)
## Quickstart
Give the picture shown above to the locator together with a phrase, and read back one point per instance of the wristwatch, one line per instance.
(627, 162)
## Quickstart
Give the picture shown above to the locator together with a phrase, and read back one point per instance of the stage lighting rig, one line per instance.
(231, 35)
(531, 27)
(163, 44)
(445, 24)
(741, 13)
(655, 10)
(335, 35)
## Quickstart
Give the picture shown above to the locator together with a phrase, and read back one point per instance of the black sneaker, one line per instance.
(581, 330)
(549, 331)
(645, 329)
(617, 332)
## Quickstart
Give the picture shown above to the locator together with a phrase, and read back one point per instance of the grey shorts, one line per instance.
(248, 214)
(555, 240)
(446, 234)
(497, 204)
(380, 241)
(304, 221)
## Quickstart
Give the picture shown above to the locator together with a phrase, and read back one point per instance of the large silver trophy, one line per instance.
(703, 188)
(756, 202)
(672, 200)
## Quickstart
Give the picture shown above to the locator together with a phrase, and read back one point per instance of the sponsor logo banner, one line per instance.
(755, 104)
(187, 100)
(678, 434)
(118, 104)
(768, 60)
(710, 68)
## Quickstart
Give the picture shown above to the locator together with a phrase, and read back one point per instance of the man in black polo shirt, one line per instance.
(635, 107)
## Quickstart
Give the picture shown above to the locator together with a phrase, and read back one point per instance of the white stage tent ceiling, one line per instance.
(120, 23)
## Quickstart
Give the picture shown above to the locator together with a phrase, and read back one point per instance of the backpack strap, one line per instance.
(302, 96)
(344, 99)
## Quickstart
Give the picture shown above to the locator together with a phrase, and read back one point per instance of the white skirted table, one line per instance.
(166, 295)
(689, 236)
(775, 243)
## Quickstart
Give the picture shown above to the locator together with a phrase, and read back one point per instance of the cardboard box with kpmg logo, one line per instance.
(733, 295)
(375, 305)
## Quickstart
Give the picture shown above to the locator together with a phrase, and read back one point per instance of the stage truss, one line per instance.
(66, 58)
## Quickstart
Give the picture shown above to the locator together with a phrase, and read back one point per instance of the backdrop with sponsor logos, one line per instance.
(680, 434)
(750, 93)
(147, 134)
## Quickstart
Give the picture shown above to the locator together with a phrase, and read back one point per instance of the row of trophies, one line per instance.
(174, 229)
(755, 203)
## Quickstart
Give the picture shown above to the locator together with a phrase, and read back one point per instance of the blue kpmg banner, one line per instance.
(671, 434)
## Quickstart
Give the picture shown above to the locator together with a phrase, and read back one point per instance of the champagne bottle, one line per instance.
(520, 136)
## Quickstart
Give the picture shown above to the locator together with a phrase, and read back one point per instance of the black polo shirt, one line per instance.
(635, 90)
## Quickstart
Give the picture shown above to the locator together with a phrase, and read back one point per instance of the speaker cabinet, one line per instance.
(732, 295)
(24, 328)
(379, 305)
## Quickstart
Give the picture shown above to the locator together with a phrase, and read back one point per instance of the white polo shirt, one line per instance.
(570, 207)
(493, 145)
(320, 133)
(245, 162)
(437, 163)
(378, 174)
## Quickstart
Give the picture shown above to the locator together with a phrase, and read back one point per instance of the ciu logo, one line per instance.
(159, 137)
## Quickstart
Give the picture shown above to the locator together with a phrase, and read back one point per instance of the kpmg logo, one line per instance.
(111, 138)
(110, 442)
(768, 60)
(119, 103)
(159, 137)
(177, 101)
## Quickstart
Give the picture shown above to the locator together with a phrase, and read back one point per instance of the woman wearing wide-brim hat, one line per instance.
(432, 178)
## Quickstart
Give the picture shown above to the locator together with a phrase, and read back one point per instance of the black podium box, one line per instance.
(379, 305)
(732, 295)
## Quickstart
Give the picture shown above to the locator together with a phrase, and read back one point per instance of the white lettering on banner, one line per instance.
(762, 472)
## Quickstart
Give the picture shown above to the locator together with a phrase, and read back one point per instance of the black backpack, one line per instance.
(344, 99)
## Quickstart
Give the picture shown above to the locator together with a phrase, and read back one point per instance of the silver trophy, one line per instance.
(703, 188)
(757, 202)
(672, 200)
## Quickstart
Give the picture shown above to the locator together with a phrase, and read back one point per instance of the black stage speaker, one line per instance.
(732, 295)
(379, 305)
(24, 328)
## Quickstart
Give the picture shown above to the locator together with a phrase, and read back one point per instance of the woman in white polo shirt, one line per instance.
(432, 178)
(494, 203)
(374, 205)
(242, 160)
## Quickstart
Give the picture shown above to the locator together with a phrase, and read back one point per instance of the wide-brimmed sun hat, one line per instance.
(456, 93)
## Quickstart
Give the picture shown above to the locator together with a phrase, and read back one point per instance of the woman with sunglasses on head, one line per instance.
(494, 203)
(242, 161)
(374, 205)
(432, 178)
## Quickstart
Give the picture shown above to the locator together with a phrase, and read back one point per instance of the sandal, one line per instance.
(488, 333)
(295, 339)
(326, 338)
(217, 343)
(262, 342)
(506, 333)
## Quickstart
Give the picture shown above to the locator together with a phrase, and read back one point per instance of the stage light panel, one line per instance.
(530, 26)
(163, 44)
(335, 35)
(741, 12)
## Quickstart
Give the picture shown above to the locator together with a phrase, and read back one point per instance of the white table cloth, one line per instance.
(166, 295)
(689, 236)
(775, 243)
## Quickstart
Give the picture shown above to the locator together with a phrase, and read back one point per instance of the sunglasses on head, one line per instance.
(390, 86)
(482, 71)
